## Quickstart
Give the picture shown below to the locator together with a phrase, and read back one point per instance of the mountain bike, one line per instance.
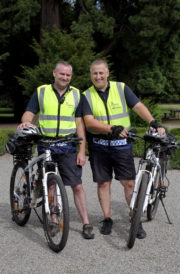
(151, 183)
(27, 170)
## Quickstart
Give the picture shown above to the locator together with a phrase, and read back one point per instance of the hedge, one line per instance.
(138, 146)
(4, 137)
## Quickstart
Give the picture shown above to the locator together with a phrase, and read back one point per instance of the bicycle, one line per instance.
(150, 185)
(25, 173)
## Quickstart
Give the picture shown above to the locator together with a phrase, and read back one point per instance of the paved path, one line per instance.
(24, 249)
(8, 126)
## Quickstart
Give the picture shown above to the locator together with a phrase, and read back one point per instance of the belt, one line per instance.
(119, 142)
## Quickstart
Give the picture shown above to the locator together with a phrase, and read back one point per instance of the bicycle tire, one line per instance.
(58, 241)
(152, 208)
(135, 220)
(20, 210)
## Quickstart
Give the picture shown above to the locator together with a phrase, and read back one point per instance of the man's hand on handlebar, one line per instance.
(119, 131)
(25, 124)
(154, 124)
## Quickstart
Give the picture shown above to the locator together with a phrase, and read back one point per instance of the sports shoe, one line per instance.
(141, 234)
(87, 232)
(107, 226)
(54, 229)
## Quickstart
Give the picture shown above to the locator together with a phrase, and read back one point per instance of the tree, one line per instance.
(142, 38)
(17, 21)
(55, 46)
(155, 30)
(139, 38)
(50, 14)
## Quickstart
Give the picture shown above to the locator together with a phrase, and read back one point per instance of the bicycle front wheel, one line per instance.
(153, 206)
(56, 224)
(19, 195)
(135, 220)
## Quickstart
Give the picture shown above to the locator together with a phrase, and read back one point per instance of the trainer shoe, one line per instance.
(107, 226)
(88, 232)
(141, 234)
(54, 229)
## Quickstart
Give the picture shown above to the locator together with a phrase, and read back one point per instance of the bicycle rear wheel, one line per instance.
(19, 205)
(56, 224)
(135, 220)
(152, 208)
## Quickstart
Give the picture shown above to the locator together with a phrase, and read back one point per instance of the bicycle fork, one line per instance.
(45, 192)
(137, 186)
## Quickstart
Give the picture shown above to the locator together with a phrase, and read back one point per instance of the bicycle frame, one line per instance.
(43, 157)
(150, 158)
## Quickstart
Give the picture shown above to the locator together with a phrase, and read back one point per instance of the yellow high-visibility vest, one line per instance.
(57, 119)
(117, 109)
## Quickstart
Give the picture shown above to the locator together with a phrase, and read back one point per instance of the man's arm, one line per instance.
(27, 119)
(96, 125)
(143, 112)
(81, 157)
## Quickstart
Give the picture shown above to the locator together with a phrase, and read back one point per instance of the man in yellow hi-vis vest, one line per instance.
(59, 108)
(106, 116)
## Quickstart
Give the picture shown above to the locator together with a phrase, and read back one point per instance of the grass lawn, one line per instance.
(6, 112)
(166, 111)
(169, 106)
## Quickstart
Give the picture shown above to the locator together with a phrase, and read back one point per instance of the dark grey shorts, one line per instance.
(68, 169)
(103, 164)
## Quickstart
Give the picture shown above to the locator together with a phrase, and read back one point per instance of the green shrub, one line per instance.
(175, 131)
(4, 138)
(175, 160)
(56, 46)
(138, 145)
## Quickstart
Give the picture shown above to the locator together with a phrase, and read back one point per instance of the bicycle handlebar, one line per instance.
(154, 138)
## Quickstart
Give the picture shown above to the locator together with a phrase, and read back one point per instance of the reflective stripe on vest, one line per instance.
(48, 117)
(115, 117)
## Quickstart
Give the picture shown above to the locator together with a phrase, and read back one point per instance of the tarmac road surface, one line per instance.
(24, 249)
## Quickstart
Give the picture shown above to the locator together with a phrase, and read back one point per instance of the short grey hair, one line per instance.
(64, 63)
(98, 62)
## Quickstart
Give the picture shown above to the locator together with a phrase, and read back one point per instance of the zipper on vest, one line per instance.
(107, 113)
(58, 120)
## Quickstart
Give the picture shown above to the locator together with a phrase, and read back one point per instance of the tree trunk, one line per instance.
(50, 15)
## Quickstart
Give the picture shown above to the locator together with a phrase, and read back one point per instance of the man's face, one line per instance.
(99, 76)
(62, 76)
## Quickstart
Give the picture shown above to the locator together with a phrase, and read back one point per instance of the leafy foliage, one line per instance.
(153, 43)
(139, 38)
(4, 138)
(56, 46)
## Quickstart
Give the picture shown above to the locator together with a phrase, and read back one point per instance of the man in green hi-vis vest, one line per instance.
(60, 114)
(106, 116)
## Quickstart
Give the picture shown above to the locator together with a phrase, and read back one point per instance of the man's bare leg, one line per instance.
(104, 195)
